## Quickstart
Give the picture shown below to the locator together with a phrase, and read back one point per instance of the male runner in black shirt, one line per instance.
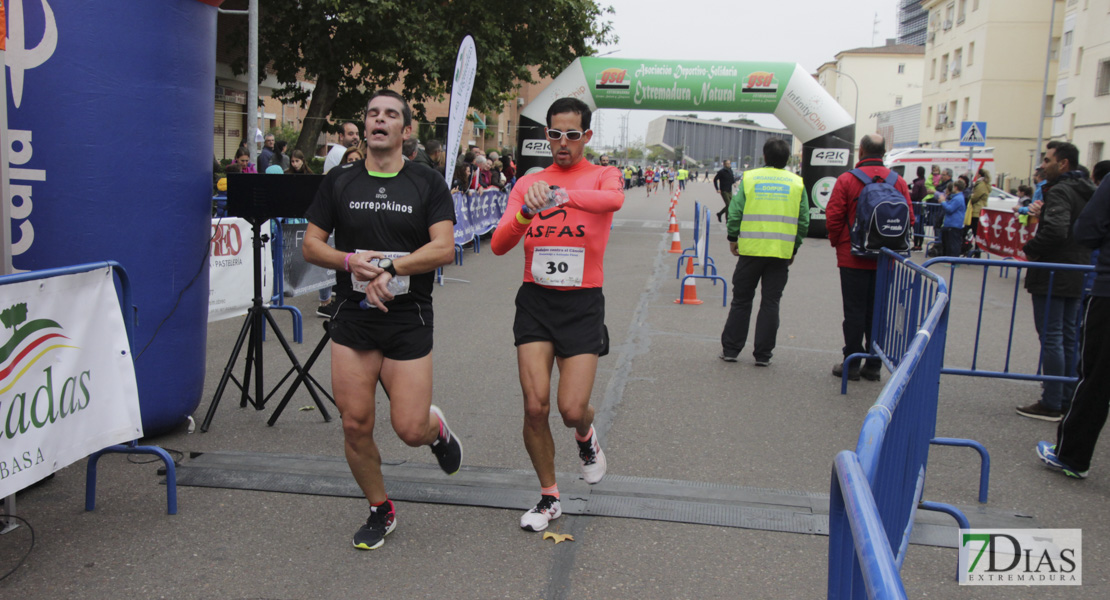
(393, 227)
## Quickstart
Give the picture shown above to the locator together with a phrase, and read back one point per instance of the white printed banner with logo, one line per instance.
(231, 269)
(67, 381)
(466, 68)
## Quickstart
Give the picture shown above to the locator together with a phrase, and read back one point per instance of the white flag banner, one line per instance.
(466, 67)
(231, 269)
(67, 380)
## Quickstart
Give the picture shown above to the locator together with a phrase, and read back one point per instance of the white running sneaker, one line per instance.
(593, 459)
(537, 519)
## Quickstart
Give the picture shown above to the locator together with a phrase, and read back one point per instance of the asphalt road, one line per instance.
(668, 408)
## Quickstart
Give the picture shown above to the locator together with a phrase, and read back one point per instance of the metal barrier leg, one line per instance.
(984, 457)
(844, 374)
(298, 321)
(132, 448)
(952, 511)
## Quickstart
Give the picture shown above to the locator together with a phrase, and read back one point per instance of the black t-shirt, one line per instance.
(388, 214)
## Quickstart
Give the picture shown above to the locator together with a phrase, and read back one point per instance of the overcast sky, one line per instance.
(809, 32)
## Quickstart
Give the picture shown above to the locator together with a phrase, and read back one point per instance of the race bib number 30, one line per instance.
(558, 266)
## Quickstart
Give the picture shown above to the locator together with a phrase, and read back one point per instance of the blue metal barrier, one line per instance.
(877, 489)
(706, 267)
(130, 313)
(1019, 266)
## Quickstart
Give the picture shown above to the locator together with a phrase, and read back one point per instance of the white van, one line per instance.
(906, 160)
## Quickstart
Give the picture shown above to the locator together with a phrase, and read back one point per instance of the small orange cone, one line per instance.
(690, 290)
(674, 224)
(676, 244)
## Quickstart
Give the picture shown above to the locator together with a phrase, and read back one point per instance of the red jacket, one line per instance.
(840, 213)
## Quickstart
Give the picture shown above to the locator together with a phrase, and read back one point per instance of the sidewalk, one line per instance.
(667, 409)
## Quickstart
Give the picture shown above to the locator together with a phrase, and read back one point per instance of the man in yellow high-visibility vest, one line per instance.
(767, 220)
(682, 175)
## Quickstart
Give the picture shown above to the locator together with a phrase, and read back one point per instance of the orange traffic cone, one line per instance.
(674, 224)
(676, 244)
(690, 290)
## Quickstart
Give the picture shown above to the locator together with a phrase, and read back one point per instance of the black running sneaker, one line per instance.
(380, 523)
(447, 448)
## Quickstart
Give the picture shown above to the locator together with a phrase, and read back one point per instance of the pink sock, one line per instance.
(550, 491)
(588, 435)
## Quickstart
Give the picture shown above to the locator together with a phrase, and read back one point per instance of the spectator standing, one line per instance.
(348, 136)
(952, 229)
(243, 161)
(1056, 309)
(857, 273)
(298, 165)
(1079, 430)
(767, 222)
(266, 156)
(980, 194)
(918, 191)
(280, 158)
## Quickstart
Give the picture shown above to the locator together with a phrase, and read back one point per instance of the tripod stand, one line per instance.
(252, 329)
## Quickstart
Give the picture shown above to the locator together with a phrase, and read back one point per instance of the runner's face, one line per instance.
(385, 124)
(566, 152)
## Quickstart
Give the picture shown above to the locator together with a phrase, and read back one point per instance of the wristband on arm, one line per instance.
(347, 262)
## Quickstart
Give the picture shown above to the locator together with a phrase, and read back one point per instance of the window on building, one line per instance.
(901, 68)
(962, 12)
(942, 115)
(944, 68)
(949, 16)
(1065, 57)
(1095, 154)
(970, 53)
(952, 106)
(974, 5)
(1102, 83)
(929, 115)
(957, 61)
(933, 69)
(1078, 59)
(1055, 48)
(967, 103)
(1049, 105)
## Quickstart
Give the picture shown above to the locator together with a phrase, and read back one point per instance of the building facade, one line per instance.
(868, 81)
(913, 23)
(984, 61)
(711, 142)
(900, 126)
(1084, 79)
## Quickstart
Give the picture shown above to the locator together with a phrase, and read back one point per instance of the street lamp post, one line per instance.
(855, 110)
(1047, 63)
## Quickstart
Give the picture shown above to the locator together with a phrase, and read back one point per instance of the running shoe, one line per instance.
(727, 357)
(380, 523)
(1037, 410)
(447, 448)
(593, 459)
(762, 362)
(328, 310)
(541, 514)
(1047, 453)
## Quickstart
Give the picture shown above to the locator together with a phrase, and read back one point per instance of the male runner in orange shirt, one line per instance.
(560, 309)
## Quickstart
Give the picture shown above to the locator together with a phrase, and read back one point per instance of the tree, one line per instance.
(349, 49)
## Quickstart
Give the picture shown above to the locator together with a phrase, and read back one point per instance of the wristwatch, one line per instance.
(386, 265)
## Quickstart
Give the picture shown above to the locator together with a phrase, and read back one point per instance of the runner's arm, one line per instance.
(608, 198)
(512, 225)
(317, 251)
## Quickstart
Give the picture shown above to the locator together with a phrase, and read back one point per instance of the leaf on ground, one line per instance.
(304, 408)
(558, 537)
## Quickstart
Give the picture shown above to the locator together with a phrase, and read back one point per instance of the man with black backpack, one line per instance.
(862, 218)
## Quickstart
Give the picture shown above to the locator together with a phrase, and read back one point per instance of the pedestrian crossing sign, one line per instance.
(973, 133)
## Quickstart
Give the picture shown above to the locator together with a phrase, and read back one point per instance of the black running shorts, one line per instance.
(400, 338)
(572, 320)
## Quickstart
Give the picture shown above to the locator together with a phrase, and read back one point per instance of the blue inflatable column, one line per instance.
(110, 116)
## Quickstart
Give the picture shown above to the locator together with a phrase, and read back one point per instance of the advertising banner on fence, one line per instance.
(1001, 233)
(67, 381)
(300, 275)
(466, 67)
(231, 269)
(477, 213)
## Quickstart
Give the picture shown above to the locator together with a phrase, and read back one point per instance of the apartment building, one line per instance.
(867, 81)
(984, 61)
(1083, 80)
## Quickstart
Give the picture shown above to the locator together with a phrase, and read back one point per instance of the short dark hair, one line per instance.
(960, 184)
(870, 148)
(920, 171)
(406, 112)
(570, 105)
(1100, 170)
(1065, 151)
(1024, 189)
(352, 123)
(409, 146)
(776, 152)
(432, 146)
